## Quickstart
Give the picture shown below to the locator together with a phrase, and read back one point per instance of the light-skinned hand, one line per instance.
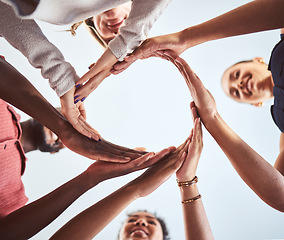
(107, 170)
(193, 148)
(76, 115)
(150, 47)
(94, 77)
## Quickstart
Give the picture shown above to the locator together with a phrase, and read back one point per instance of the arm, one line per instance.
(142, 16)
(30, 101)
(265, 180)
(27, 37)
(256, 16)
(195, 220)
(90, 222)
(33, 217)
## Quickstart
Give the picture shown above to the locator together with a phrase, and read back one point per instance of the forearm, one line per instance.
(30, 219)
(90, 222)
(266, 181)
(195, 220)
(18, 91)
(256, 16)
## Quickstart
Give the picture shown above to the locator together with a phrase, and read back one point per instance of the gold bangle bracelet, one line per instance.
(187, 183)
(191, 199)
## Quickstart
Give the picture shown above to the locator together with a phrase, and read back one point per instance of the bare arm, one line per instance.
(30, 101)
(30, 219)
(255, 16)
(265, 180)
(195, 220)
(90, 222)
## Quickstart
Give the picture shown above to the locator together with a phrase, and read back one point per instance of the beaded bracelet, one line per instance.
(187, 183)
(191, 199)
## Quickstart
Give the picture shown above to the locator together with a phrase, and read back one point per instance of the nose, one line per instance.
(141, 221)
(240, 84)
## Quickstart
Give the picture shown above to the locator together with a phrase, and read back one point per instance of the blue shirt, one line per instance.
(276, 66)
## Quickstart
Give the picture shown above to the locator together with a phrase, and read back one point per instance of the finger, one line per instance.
(194, 113)
(121, 148)
(114, 149)
(91, 73)
(197, 130)
(91, 85)
(94, 134)
(155, 158)
(82, 111)
(92, 65)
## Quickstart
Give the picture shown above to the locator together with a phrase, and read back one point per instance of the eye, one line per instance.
(237, 93)
(152, 222)
(131, 220)
(237, 74)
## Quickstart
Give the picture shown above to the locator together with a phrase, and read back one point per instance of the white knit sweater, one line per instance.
(38, 50)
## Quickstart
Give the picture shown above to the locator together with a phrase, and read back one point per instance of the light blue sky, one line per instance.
(148, 105)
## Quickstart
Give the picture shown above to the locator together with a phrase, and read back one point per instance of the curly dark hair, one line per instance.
(160, 220)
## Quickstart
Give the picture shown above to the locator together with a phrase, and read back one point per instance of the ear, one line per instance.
(259, 104)
(258, 59)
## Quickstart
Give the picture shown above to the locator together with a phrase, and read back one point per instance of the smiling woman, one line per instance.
(142, 224)
(248, 82)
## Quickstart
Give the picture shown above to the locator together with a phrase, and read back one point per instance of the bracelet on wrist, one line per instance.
(191, 199)
(187, 183)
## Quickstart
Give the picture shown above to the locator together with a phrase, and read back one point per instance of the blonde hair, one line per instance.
(89, 24)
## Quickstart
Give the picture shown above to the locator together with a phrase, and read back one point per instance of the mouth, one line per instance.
(139, 233)
(248, 84)
(116, 24)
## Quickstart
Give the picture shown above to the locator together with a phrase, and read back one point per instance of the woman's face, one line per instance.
(109, 22)
(248, 82)
(141, 225)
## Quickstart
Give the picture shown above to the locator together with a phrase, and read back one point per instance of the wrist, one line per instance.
(191, 37)
(89, 180)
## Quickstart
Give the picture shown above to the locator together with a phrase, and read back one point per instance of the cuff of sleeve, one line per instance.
(63, 85)
(120, 48)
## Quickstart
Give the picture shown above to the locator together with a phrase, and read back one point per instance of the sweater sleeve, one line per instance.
(143, 15)
(27, 37)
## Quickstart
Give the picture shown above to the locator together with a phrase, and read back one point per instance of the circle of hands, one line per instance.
(182, 160)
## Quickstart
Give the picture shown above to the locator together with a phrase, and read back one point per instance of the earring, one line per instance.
(260, 104)
(261, 60)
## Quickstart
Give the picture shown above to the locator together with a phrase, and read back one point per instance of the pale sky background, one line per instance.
(148, 105)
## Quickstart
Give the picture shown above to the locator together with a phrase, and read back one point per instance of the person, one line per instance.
(183, 161)
(265, 180)
(141, 223)
(254, 82)
(141, 18)
(241, 20)
(21, 221)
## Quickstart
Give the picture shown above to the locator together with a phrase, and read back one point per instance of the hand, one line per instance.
(101, 150)
(202, 98)
(106, 170)
(94, 77)
(173, 42)
(193, 149)
(157, 174)
(76, 115)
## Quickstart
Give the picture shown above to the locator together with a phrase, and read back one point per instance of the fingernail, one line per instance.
(100, 139)
(76, 101)
(83, 99)
(76, 97)
(78, 85)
